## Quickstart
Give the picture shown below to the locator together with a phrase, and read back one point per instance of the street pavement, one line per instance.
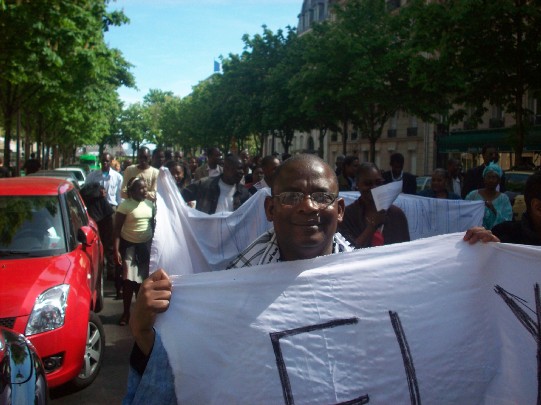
(110, 385)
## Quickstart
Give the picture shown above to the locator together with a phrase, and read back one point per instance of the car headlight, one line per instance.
(49, 310)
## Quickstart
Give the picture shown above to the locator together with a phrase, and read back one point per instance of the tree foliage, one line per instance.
(56, 69)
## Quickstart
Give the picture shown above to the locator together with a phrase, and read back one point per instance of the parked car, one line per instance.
(424, 183)
(22, 376)
(78, 172)
(52, 266)
(515, 183)
(69, 176)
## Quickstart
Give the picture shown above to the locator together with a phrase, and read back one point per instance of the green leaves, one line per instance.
(56, 69)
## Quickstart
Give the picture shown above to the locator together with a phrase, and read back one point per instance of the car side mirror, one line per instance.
(86, 235)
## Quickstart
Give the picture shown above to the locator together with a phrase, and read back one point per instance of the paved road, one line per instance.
(110, 385)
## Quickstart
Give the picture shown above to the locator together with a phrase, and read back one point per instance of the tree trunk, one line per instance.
(8, 121)
(322, 133)
(345, 125)
(520, 129)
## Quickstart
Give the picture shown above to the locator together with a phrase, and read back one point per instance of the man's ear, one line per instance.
(341, 209)
(269, 208)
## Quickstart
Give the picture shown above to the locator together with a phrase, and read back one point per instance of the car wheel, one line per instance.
(93, 357)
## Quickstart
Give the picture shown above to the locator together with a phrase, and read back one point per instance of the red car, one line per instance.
(51, 262)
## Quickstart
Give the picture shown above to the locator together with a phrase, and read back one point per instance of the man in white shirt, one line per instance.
(110, 182)
(109, 179)
(221, 193)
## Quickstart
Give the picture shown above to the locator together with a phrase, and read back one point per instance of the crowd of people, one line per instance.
(309, 220)
(308, 216)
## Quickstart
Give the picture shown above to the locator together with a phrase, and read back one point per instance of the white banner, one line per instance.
(434, 216)
(434, 321)
(188, 241)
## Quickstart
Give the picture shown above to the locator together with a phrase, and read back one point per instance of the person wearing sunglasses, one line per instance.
(305, 210)
(363, 226)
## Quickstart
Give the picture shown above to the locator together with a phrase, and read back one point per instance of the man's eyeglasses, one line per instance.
(293, 198)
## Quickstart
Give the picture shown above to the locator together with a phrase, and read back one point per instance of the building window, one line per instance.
(411, 131)
(321, 11)
(354, 136)
(391, 133)
(311, 145)
(334, 137)
(496, 120)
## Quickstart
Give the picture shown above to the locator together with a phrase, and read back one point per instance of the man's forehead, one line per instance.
(314, 175)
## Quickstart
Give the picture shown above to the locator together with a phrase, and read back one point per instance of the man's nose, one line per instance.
(307, 202)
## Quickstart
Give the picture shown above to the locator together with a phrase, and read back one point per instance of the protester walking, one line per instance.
(132, 239)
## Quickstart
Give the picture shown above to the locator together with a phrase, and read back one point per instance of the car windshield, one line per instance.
(31, 227)
(516, 181)
(76, 173)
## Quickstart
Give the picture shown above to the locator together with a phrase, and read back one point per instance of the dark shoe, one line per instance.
(124, 320)
(118, 295)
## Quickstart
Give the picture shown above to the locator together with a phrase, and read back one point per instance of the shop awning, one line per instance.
(473, 141)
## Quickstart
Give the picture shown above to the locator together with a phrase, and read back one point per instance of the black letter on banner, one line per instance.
(531, 326)
(415, 396)
(282, 369)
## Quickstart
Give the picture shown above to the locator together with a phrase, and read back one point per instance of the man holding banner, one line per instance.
(305, 210)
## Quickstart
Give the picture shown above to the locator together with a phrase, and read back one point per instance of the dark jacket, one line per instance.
(95, 201)
(395, 226)
(473, 180)
(207, 191)
(409, 181)
(519, 232)
(345, 184)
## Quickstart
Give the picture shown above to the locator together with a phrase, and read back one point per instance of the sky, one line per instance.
(173, 43)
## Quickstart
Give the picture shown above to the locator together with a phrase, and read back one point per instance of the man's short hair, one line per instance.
(453, 161)
(487, 146)
(397, 157)
(268, 160)
(532, 189)
(302, 157)
(143, 149)
(231, 159)
(348, 160)
(363, 168)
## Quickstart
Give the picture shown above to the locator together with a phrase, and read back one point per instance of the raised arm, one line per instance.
(153, 298)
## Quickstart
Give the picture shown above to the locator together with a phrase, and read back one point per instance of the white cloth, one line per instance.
(205, 242)
(433, 216)
(225, 199)
(321, 332)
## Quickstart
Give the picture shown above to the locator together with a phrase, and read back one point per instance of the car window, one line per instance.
(516, 181)
(78, 175)
(77, 215)
(31, 226)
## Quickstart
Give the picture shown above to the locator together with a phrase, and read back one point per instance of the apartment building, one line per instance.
(425, 145)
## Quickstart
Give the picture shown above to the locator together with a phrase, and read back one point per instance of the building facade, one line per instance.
(425, 145)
